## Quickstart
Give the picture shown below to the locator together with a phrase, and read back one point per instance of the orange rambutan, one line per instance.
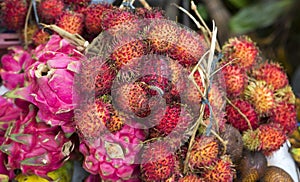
(71, 21)
(49, 10)
(242, 51)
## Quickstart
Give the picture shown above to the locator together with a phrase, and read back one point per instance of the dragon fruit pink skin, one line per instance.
(35, 148)
(50, 83)
(14, 65)
(9, 112)
(113, 156)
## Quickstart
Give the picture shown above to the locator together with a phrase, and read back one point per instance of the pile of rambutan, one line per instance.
(152, 100)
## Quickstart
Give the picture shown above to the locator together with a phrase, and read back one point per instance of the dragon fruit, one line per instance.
(50, 84)
(9, 112)
(13, 66)
(114, 156)
(35, 148)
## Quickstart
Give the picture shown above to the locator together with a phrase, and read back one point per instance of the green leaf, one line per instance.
(239, 3)
(259, 15)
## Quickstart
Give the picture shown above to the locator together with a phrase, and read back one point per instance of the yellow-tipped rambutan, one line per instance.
(204, 151)
(235, 79)
(251, 140)
(271, 137)
(40, 37)
(71, 22)
(191, 178)
(285, 114)
(221, 170)
(241, 114)
(261, 95)
(272, 73)
(241, 51)
(285, 94)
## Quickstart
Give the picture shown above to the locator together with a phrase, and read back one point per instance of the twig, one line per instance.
(189, 14)
(145, 4)
(240, 112)
(194, 8)
(26, 25)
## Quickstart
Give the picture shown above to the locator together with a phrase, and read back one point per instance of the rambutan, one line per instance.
(221, 170)
(192, 95)
(91, 120)
(131, 98)
(13, 13)
(71, 21)
(191, 178)
(285, 114)
(162, 35)
(126, 49)
(272, 73)
(241, 114)
(116, 122)
(285, 94)
(261, 95)
(189, 49)
(204, 151)
(104, 79)
(94, 17)
(158, 162)
(235, 79)
(251, 140)
(154, 13)
(40, 37)
(271, 137)
(77, 2)
(49, 10)
(119, 22)
(241, 51)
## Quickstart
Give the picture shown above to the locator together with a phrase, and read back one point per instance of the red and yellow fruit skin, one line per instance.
(251, 140)
(191, 178)
(49, 10)
(235, 80)
(204, 151)
(94, 17)
(221, 170)
(241, 51)
(13, 13)
(40, 37)
(237, 112)
(271, 137)
(285, 115)
(261, 96)
(71, 21)
(158, 162)
(272, 73)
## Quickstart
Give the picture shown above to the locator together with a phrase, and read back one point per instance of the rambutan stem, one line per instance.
(240, 112)
(26, 25)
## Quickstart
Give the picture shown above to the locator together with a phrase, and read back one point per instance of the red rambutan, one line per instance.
(272, 73)
(285, 114)
(71, 22)
(238, 111)
(49, 10)
(104, 79)
(235, 79)
(13, 13)
(191, 178)
(271, 137)
(40, 37)
(158, 162)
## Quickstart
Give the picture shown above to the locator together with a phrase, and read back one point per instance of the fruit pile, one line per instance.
(147, 100)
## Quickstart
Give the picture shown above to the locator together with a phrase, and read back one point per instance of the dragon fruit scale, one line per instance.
(35, 148)
(114, 156)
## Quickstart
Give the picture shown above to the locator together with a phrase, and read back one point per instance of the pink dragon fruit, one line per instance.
(114, 156)
(35, 148)
(50, 84)
(9, 112)
(14, 65)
